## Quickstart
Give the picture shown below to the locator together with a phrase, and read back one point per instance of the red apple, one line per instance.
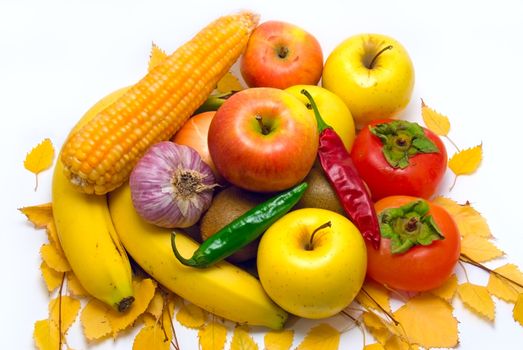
(281, 55)
(263, 140)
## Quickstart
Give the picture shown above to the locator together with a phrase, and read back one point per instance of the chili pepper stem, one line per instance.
(321, 227)
(322, 125)
(184, 261)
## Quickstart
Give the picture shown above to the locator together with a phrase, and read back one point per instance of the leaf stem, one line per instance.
(453, 183)
(389, 315)
(466, 259)
(60, 312)
(453, 143)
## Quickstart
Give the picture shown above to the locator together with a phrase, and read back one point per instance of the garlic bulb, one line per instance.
(171, 186)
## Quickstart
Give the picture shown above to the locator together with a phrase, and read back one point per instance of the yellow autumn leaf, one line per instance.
(155, 307)
(95, 323)
(376, 326)
(396, 342)
(212, 336)
(54, 258)
(52, 236)
(74, 286)
(228, 83)
(40, 158)
(63, 311)
(467, 161)
(447, 290)
(435, 121)
(52, 278)
(143, 293)
(427, 320)
(374, 295)
(517, 312)
(242, 340)
(375, 346)
(479, 249)
(151, 338)
(39, 215)
(190, 316)
(156, 56)
(468, 219)
(46, 335)
(279, 340)
(323, 336)
(501, 287)
(477, 299)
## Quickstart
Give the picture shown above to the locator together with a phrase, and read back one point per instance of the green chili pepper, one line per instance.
(243, 230)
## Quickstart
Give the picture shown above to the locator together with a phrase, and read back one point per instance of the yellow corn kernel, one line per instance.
(100, 156)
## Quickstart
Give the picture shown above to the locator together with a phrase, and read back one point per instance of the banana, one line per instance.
(88, 237)
(223, 289)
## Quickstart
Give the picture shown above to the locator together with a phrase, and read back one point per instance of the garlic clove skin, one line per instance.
(171, 186)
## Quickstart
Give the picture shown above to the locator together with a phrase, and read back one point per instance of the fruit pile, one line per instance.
(274, 200)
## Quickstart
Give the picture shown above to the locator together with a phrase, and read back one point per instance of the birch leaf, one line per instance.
(52, 236)
(190, 316)
(45, 335)
(435, 121)
(155, 307)
(467, 161)
(95, 323)
(479, 249)
(447, 290)
(151, 338)
(228, 83)
(517, 312)
(40, 158)
(156, 56)
(52, 278)
(54, 258)
(143, 294)
(378, 293)
(63, 310)
(477, 299)
(279, 340)
(376, 327)
(468, 219)
(322, 336)
(74, 286)
(427, 320)
(212, 336)
(242, 340)
(504, 289)
(38, 215)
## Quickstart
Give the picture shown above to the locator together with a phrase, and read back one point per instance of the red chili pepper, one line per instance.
(344, 178)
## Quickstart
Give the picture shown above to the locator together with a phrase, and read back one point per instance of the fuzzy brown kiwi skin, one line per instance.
(227, 205)
(320, 193)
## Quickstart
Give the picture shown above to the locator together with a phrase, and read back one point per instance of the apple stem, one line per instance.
(371, 65)
(321, 227)
(283, 52)
(264, 129)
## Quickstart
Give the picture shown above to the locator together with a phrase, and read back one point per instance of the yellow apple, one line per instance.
(308, 268)
(332, 108)
(373, 74)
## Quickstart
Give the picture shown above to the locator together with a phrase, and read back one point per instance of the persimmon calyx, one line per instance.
(401, 141)
(408, 226)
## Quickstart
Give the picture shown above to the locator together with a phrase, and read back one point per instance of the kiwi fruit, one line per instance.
(319, 193)
(227, 205)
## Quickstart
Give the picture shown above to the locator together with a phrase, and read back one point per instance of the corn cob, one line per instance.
(100, 156)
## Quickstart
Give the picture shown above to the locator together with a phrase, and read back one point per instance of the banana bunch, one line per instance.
(223, 289)
(88, 237)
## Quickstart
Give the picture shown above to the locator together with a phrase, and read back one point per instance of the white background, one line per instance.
(58, 57)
